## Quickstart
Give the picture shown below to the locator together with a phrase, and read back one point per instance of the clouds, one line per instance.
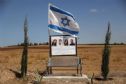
(93, 10)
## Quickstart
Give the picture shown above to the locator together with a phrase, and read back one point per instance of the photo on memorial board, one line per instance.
(72, 42)
(54, 42)
(66, 42)
(60, 42)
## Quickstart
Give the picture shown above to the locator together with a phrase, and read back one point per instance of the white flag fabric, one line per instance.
(62, 21)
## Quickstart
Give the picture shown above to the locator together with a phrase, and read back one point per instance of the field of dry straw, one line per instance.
(91, 56)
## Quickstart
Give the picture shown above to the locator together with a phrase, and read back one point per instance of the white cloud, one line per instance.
(93, 10)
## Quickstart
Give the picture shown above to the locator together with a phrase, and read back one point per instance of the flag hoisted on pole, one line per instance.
(61, 21)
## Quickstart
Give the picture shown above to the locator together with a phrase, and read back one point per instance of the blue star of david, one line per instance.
(65, 21)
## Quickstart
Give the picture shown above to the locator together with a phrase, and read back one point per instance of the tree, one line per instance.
(25, 51)
(106, 54)
(35, 44)
(30, 44)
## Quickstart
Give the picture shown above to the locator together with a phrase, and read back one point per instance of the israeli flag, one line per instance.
(62, 21)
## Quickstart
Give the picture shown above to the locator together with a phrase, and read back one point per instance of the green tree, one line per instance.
(106, 54)
(25, 51)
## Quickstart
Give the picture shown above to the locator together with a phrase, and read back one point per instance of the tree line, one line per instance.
(33, 44)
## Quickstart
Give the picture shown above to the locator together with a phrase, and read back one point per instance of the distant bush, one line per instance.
(119, 43)
(33, 44)
(30, 44)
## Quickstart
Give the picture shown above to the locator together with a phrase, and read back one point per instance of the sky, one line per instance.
(91, 15)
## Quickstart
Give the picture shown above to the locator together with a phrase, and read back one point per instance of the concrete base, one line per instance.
(66, 77)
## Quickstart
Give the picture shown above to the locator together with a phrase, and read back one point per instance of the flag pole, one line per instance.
(48, 18)
(49, 35)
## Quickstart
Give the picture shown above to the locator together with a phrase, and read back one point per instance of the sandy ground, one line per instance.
(91, 56)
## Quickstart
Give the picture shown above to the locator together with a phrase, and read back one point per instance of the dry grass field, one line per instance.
(91, 55)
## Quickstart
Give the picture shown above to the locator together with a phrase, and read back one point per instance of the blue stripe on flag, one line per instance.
(61, 11)
(63, 29)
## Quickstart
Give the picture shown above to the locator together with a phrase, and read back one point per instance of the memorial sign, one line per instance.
(63, 45)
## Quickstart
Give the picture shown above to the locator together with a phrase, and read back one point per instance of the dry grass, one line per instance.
(91, 57)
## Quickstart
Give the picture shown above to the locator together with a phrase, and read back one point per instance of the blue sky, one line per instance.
(91, 15)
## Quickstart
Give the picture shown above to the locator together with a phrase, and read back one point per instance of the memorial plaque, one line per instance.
(63, 45)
